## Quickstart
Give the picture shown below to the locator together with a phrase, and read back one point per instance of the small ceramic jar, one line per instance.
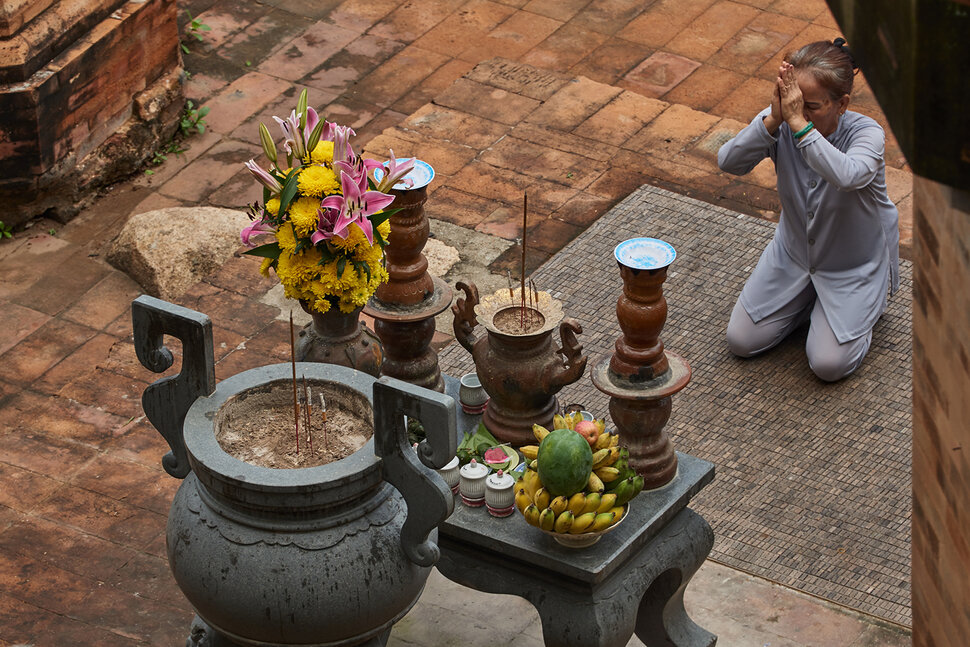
(500, 494)
(471, 394)
(472, 483)
(450, 474)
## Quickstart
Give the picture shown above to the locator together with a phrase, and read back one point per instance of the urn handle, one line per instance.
(464, 311)
(574, 362)
(428, 497)
(166, 401)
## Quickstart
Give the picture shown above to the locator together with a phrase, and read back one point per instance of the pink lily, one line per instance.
(395, 173)
(341, 143)
(358, 202)
(264, 177)
(261, 226)
(295, 143)
(331, 221)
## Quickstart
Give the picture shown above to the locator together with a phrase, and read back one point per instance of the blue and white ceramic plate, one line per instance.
(644, 253)
(421, 175)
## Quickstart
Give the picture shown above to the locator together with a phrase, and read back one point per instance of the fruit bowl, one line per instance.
(584, 539)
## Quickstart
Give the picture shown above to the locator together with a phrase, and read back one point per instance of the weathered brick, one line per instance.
(486, 101)
(573, 104)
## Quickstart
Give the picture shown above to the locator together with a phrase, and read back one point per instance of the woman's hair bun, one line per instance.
(840, 43)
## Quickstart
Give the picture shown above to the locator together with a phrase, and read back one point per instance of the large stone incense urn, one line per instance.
(325, 556)
(641, 376)
(519, 366)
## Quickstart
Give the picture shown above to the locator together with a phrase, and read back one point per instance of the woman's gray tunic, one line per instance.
(838, 227)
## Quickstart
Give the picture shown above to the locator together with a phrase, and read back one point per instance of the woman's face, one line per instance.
(820, 109)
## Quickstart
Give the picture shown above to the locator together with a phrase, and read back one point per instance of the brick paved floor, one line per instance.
(617, 94)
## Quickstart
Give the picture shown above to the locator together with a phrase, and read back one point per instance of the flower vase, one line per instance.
(337, 337)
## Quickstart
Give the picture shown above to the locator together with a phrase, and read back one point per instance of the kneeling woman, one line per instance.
(835, 253)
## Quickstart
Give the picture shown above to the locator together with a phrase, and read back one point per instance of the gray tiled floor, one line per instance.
(813, 479)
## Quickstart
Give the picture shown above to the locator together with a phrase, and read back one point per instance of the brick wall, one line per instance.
(81, 98)
(941, 416)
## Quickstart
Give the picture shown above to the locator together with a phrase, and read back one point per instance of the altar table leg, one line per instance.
(662, 619)
(645, 595)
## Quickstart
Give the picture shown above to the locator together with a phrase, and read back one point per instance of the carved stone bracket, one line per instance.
(167, 400)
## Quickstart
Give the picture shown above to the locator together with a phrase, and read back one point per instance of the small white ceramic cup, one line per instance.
(472, 483)
(450, 474)
(471, 393)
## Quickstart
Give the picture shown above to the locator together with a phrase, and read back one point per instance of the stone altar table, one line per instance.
(631, 581)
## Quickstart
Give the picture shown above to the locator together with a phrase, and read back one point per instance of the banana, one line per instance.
(624, 491)
(559, 504)
(607, 474)
(582, 523)
(614, 440)
(547, 519)
(606, 457)
(603, 442)
(530, 481)
(558, 422)
(563, 522)
(542, 498)
(531, 452)
(573, 418)
(595, 483)
(539, 432)
(607, 501)
(522, 500)
(576, 503)
(599, 456)
(602, 521)
(593, 500)
(531, 514)
(637, 485)
(619, 511)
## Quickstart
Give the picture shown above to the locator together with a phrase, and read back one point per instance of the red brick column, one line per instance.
(941, 415)
(87, 89)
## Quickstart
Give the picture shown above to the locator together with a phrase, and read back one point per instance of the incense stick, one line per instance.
(307, 413)
(323, 420)
(296, 404)
(525, 221)
(508, 274)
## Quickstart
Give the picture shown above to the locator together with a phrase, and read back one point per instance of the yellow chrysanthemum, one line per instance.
(303, 215)
(385, 228)
(322, 153)
(317, 180)
(297, 269)
(286, 239)
(273, 206)
(372, 255)
(265, 266)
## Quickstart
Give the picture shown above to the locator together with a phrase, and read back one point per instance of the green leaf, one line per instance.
(341, 265)
(269, 250)
(378, 238)
(379, 218)
(301, 104)
(290, 188)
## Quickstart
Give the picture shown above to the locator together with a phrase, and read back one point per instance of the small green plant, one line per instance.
(195, 29)
(192, 120)
(51, 232)
(5, 230)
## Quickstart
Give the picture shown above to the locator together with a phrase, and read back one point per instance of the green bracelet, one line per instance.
(804, 131)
